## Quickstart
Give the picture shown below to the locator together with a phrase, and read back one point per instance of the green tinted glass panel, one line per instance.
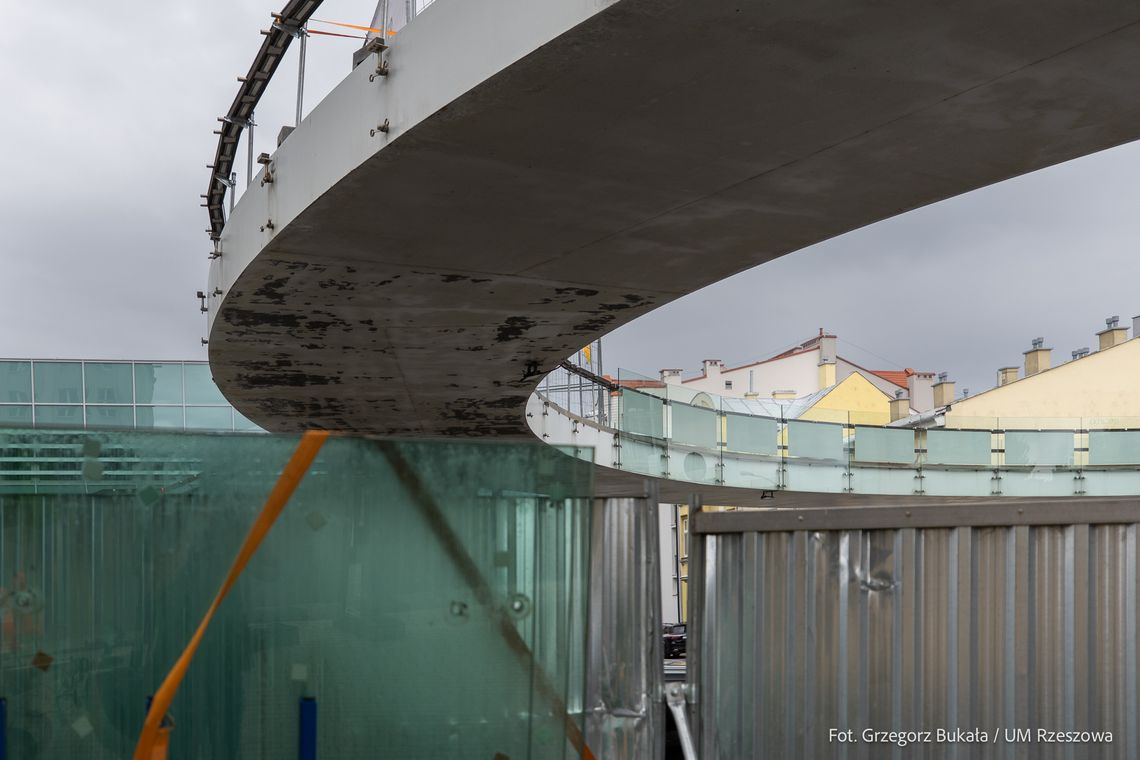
(20, 414)
(642, 458)
(642, 414)
(958, 447)
(241, 422)
(16, 382)
(55, 415)
(159, 417)
(430, 597)
(109, 383)
(200, 388)
(884, 445)
(815, 440)
(209, 418)
(110, 416)
(693, 426)
(754, 435)
(158, 383)
(1114, 447)
(1039, 447)
(59, 382)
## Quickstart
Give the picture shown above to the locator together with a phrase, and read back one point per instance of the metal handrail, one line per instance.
(287, 25)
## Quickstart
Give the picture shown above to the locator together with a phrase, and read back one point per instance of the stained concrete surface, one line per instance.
(656, 148)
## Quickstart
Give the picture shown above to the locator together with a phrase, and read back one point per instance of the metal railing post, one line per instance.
(249, 151)
(303, 33)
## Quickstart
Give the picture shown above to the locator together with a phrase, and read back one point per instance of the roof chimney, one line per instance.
(900, 405)
(920, 389)
(1112, 334)
(671, 376)
(1080, 353)
(827, 360)
(1037, 359)
(1007, 375)
(827, 348)
(943, 390)
(712, 367)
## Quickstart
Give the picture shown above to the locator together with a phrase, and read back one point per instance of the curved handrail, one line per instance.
(286, 25)
(670, 438)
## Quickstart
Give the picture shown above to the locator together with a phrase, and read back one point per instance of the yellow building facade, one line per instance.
(854, 400)
(1098, 390)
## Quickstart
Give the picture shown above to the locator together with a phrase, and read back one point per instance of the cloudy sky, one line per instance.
(108, 120)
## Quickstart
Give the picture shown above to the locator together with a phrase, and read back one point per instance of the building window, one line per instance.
(728, 385)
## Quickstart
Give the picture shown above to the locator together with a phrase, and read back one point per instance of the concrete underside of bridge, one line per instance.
(656, 148)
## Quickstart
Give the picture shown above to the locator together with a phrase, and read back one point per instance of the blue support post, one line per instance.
(307, 743)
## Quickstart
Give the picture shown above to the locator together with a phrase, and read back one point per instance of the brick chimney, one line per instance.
(1007, 375)
(671, 376)
(943, 390)
(1112, 334)
(1037, 359)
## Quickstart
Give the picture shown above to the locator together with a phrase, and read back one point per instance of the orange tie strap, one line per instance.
(352, 26)
(154, 741)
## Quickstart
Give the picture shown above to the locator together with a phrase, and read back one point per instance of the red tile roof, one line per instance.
(635, 383)
(898, 377)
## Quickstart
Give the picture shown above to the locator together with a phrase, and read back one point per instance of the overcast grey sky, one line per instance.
(107, 125)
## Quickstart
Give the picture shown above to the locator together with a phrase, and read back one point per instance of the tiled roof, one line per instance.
(635, 383)
(898, 377)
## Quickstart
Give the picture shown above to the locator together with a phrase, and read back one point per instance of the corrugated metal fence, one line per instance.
(809, 623)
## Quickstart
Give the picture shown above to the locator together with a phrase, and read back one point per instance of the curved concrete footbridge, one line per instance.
(531, 174)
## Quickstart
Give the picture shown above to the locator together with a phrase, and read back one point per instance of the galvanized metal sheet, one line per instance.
(805, 633)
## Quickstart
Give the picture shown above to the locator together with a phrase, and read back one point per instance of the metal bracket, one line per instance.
(378, 46)
(202, 302)
(1079, 483)
(675, 699)
(269, 176)
(380, 128)
(289, 29)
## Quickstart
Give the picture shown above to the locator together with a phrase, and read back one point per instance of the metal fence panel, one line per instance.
(974, 627)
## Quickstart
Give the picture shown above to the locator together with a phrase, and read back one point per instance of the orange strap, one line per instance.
(334, 34)
(353, 26)
(155, 738)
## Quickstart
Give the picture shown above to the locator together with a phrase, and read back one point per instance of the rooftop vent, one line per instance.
(1113, 321)
(1038, 342)
(942, 376)
(1080, 353)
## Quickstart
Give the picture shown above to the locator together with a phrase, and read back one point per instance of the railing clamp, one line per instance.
(378, 46)
(268, 177)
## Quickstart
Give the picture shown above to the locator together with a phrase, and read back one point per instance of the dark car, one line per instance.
(674, 641)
